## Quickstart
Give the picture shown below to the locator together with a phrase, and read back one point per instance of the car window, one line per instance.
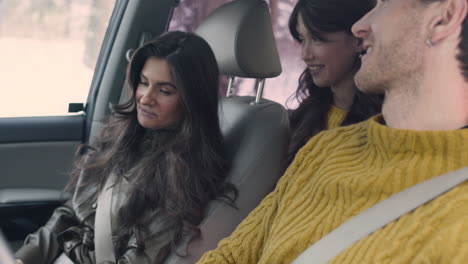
(190, 13)
(49, 49)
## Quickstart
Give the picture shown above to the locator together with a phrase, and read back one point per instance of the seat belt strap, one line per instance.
(378, 216)
(104, 248)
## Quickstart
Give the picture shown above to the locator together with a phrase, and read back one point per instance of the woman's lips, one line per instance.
(147, 112)
(314, 69)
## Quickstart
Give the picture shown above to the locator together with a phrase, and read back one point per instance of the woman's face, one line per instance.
(157, 98)
(329, 62)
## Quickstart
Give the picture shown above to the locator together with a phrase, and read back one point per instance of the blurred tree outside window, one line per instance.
(49, 49)
(190, 13)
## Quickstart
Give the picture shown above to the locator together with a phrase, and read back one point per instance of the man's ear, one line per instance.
(451, 14)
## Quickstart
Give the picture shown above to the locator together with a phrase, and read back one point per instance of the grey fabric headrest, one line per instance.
(241, 36)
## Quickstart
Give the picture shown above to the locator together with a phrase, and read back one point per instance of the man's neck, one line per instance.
(434, 104)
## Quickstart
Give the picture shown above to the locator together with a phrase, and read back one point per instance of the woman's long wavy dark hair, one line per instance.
(176, 180)
(315, 102)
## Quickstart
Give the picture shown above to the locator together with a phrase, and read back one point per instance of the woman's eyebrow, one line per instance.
(166, 84)
(142, 76)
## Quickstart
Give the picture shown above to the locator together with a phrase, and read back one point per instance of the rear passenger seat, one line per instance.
(255, 130)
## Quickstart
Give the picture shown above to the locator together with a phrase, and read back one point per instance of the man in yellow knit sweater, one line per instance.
(416, 56)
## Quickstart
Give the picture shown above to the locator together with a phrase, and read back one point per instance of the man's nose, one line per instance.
(361, 28)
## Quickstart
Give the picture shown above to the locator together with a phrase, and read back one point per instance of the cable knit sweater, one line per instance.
(335, 116)
(340, 173)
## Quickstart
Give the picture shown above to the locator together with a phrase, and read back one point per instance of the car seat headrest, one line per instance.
(241, 36)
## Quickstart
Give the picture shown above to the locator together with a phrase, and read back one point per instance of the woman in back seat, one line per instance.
(327, 94)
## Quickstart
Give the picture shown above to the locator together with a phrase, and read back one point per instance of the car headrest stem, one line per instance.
(260, 86)
(230, 88)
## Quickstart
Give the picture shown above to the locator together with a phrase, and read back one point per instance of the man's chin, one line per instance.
(367, 82)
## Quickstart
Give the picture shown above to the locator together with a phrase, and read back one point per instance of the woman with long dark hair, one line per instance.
(327, 94)
(142, 188)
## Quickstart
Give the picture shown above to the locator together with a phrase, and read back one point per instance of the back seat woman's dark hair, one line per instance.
(315, 102)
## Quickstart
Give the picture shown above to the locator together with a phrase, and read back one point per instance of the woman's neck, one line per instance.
(343, 93)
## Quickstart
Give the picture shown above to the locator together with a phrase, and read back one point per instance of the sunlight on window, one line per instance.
(49, 50)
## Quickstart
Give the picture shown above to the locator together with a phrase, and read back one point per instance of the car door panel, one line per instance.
(37, 152)
(36, 156)
(37, 164)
